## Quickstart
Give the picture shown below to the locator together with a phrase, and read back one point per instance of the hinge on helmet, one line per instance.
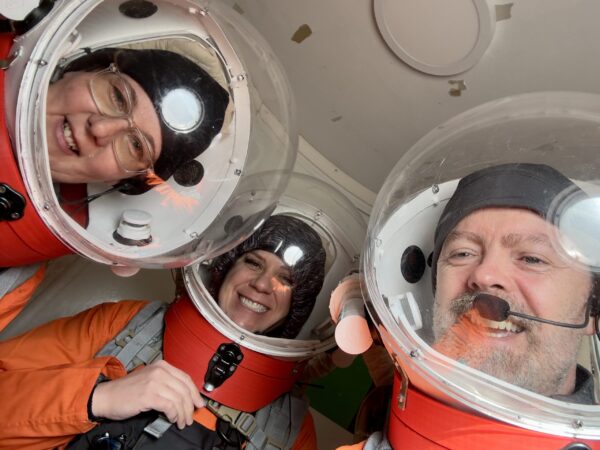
(12, 204)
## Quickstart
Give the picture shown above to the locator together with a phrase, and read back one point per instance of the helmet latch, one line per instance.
(12, 204)
(222, 365)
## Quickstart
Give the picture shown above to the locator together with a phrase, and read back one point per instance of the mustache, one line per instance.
(464, 304)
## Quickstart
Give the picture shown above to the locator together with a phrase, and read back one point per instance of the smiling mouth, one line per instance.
(494, 328)
(253, 306)
(68, 133)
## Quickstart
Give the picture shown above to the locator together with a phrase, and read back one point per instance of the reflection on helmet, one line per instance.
(176, 85)
(299, 247)
(467, 206)
(217, 97)
(316, 232)
(476, 282)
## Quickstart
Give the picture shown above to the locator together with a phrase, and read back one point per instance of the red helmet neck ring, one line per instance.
(426, 423)
(191, 342)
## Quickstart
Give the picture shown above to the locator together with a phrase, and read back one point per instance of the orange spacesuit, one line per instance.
(46, 376)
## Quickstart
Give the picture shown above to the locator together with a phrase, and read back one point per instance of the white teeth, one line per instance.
(504, 325)
(256, 307)
(69, 137)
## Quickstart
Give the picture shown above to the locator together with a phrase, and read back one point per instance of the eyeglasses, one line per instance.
(114, 97)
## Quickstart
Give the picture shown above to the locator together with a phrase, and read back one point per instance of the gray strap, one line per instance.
(282, 419)
(141, 339)
(242, 421)
(13, 277)
(140, 342)
(273, 427)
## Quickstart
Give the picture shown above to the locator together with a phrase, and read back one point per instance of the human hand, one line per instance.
(159, 386)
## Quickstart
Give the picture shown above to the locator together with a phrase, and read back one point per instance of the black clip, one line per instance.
(222, 365)
(12, 204)
(107, 442)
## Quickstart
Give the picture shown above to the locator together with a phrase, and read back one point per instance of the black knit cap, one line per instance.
(517, 185)
(159, 72)
(277, 234)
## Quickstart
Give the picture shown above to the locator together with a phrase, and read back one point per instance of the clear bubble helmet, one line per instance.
(269, 363)
(196, 213)
(458, 405)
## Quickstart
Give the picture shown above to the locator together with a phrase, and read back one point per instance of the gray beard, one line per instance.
(542, 368)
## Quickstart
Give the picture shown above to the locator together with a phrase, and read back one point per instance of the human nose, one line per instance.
(103, 129)
(263, 282)
(490, 274)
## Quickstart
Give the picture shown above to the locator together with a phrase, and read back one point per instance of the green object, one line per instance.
(341, 393)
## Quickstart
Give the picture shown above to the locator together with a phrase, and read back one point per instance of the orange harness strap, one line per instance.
(205, 418)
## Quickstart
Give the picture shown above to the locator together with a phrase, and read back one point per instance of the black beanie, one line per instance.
(160, 72)
(277, 234)
(517, 185)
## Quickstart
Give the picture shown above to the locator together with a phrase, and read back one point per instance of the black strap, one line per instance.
(109, 434)
(129, 435)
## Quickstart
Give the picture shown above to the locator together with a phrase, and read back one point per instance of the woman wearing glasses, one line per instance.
(128, 118)
(117, 114)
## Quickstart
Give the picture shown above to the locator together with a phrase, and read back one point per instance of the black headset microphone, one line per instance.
(497, 309)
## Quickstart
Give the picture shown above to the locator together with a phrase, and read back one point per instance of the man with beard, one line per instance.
(495, 238)
(501, 284)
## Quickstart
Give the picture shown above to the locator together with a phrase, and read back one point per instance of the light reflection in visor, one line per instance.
(182, 110)
(292, 255)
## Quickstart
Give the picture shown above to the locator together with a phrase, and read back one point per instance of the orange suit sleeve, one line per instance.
(48, 373)
(13, 302)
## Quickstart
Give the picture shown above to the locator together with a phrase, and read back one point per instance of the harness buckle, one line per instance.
(245, 423)
(242, 421)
